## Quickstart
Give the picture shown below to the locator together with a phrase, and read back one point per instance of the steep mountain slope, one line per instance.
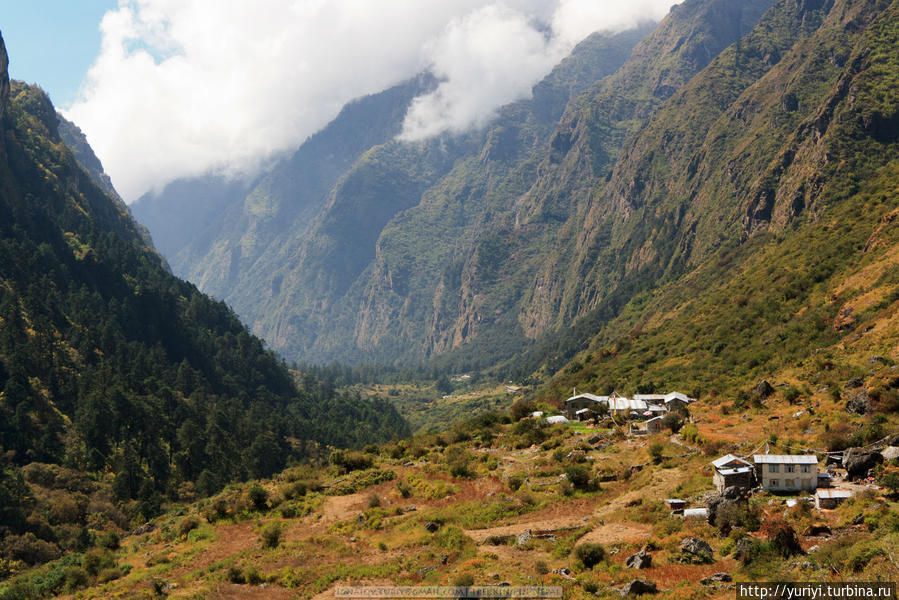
(213, 229)
(301, 286)
(778, 198)
(108, 363)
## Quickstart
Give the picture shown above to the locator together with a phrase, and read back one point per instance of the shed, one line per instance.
(654, 425)
(830, 498)
(732, 471)
(676, 503)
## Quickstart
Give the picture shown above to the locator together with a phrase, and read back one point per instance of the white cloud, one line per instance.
(182, 88)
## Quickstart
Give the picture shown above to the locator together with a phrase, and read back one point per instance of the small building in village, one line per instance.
(654, 425)
(830, 498)
(675, 401)
(786, 472)
(732, 471)
(582, 401)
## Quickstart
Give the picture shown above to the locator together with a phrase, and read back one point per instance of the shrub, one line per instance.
(579, 477)
(252, 576)
(75, 578)
(350, 461)
(655, 452)
(673, 421)
(403, 488)
(110, 574)
(781, 536)
(235, 575)
(541, 567)
(271, 535)
(515, 482)
(110, 540)
(373, 501)
(187, 525)
(521, 409)
(29, 549)
(590, 554)
(258, 497)
(463, 579)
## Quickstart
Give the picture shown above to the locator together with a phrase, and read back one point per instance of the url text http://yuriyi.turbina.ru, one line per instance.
(796, 590)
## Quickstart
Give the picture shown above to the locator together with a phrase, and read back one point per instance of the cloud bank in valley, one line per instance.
(184, 88)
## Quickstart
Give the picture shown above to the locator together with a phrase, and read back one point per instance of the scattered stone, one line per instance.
(855, 382)
(716, 578)
(594, 439)
(524, 538)
(695, 551)
(764, 389)
(804, 565)
(639, 586)
(564, 572)
(859, 403)
(409, 464)
(425, 570)
(145, 528)
(890, 453)
(409, 509)
(352, 539)
(432, 526)
(640, 560)
(877, 359)
(814, 548)
(858, 461)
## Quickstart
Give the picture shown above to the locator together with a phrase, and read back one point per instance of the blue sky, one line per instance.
(53, 42)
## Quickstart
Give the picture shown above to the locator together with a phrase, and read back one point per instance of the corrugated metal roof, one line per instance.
(785, 459)
(678, 396)
(582, 411)
(650, 397)
(626, 404)
(735, 471)
(728, 459)
(696, 512)
(556, 419)
(834, 493)
(589, 397)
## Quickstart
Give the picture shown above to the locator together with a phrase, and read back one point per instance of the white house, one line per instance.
(786, 472)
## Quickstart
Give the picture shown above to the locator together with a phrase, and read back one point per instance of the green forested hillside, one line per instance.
(111, 366)
(759, 220)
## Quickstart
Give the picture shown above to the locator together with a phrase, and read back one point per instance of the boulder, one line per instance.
(594, 439)
(695, 551)
(764, 389)
(890, 453)
(858, 461)
(855, 382)
(639, 586)
(725, 500)
(716, 578)
(432, 526)
(744, 549)
(640, 560)
(524, 538)
(859, 403)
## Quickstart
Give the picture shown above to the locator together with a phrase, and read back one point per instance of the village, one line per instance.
(734, 477)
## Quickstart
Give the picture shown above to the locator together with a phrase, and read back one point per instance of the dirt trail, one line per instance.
(613, 533)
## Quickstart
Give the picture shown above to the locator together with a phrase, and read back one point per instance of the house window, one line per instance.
(773, 468)
(806, 469)
(791, 468)
(775, 483)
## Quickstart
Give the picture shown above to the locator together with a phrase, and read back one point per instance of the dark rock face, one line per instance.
(764, 389)
(432, 526)
(859, 403)
(855, 382)
(640, 560)
(695, 551)
(4, 78)
(858, 462)
(639, 586)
